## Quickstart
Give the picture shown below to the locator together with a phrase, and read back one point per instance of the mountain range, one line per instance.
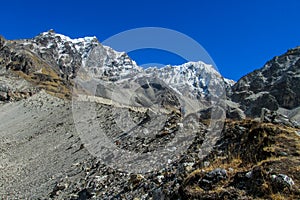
(56, 91)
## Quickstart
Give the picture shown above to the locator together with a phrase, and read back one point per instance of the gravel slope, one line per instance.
(37, 146)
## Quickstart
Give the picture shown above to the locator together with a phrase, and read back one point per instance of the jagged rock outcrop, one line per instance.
(273, 86)
(277, 118)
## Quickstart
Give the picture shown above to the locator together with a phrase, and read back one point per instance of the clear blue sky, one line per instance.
(239, 35)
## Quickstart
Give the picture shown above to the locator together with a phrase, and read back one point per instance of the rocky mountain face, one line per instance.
(274, 86)
(63, 101)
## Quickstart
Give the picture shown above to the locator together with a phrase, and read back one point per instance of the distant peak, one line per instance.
(51, 31)
(198, 65)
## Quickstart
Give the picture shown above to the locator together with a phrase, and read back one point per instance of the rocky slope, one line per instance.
(43, 157)
(50, 145)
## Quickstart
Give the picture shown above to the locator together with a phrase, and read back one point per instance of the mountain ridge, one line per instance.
(64, 57)
(276, 82)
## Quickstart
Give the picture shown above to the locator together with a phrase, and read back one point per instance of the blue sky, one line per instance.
(240, 36)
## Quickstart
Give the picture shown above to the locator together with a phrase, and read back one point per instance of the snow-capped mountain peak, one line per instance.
(191, 78)
(67, 56)
(80, 45)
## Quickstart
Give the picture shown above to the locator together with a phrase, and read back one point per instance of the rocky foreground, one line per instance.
(42, 157)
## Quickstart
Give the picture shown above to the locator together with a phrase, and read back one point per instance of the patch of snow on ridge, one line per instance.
(229, 82)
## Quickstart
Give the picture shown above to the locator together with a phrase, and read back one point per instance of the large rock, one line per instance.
(213, 177)
(3, 96)
(281, 181)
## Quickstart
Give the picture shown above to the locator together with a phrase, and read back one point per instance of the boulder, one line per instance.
(3, 96)
(282, 181)
(213, 177)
